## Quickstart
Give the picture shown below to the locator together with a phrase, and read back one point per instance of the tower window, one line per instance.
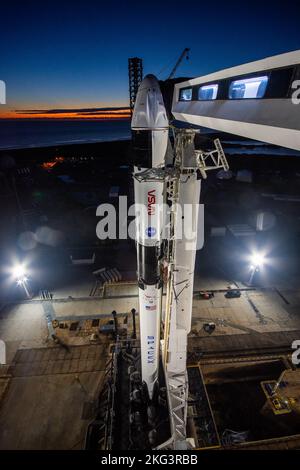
(254, 87)
(208, 92)
(185, 94)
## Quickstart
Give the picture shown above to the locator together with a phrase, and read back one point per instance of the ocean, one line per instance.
(19, 134)
(27, 134)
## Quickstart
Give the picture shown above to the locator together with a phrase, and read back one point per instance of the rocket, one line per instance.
(150, 128)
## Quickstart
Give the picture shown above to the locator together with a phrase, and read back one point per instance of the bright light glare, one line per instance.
(18, 272)
(257, 260)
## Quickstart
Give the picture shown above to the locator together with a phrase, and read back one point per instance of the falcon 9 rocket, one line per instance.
(149, 125)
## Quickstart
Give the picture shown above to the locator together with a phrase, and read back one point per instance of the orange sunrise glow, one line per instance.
(111, 114)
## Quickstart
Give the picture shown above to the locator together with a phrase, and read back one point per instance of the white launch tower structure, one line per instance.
(167, 183)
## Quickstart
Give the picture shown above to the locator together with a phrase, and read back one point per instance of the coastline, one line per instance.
(118, 151)
(31, 134)
(108, 151)
(58, 144)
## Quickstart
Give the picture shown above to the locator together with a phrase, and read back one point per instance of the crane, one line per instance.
(184, 53)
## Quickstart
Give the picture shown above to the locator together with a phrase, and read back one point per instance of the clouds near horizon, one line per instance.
(121, 112)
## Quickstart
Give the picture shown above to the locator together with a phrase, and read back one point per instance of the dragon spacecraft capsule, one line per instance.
(150, 141)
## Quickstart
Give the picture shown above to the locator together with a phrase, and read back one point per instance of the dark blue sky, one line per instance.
(72, 54)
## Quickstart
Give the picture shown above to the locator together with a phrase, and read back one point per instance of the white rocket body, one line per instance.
(151, 187)
(149, 117)
(149, 224)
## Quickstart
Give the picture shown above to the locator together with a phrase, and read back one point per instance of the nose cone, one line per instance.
(150, 81)
(149, 109)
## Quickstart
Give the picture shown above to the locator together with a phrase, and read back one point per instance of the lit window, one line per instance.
(208, 92)
(254, 87)
(185, 94)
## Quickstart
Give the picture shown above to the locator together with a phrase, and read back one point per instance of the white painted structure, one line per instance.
(253, 100)
(265, 107)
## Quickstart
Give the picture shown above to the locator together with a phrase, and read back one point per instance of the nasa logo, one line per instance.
(150, 232)
(151, 202)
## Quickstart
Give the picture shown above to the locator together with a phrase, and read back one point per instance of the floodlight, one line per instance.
(257, 260)
(18, 272)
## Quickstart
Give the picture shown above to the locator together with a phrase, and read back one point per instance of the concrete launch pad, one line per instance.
(70, 382)
(49, 391)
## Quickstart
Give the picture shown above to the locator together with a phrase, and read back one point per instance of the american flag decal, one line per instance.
(150, 307)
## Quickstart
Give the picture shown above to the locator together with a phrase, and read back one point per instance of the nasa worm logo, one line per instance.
(151, 202)
(150, 232)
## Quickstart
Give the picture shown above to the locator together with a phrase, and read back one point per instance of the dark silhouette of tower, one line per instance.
(135, 74)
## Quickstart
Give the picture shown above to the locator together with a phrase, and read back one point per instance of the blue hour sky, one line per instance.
(74, 54)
